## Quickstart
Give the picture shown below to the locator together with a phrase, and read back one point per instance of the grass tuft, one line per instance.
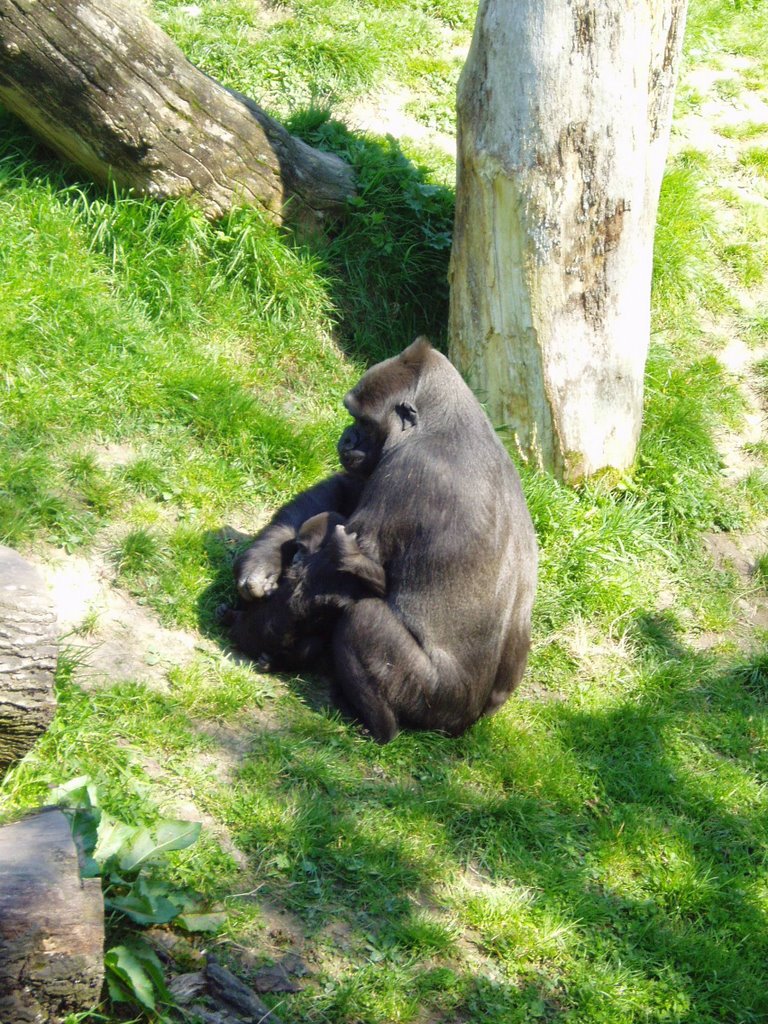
(684, 260)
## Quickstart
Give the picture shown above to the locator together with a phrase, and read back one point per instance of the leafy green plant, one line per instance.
(135, 976)
(124, 857)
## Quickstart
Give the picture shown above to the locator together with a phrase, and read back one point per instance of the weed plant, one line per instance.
(596, 851)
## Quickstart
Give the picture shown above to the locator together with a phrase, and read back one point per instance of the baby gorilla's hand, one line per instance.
(258, 584)
(344, 545)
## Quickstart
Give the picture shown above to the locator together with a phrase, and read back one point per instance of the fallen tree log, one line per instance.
(51, 923)
(27, 657)
(104, 87)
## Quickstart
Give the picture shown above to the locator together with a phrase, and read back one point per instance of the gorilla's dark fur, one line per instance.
(433, 498)
(290, 628)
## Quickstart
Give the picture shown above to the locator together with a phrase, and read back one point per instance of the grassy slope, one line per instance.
(594, 853)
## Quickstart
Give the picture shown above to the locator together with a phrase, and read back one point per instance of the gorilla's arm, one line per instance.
(258, 570)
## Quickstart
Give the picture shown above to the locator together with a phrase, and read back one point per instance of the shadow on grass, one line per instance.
(221, 548)
(387, 261)
(582, 847)
(604, 861)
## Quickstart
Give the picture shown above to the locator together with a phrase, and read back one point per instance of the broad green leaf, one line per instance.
(143, 910)
(202, 922)
(153, 967)
(78, 792)
(161, 838)
(127, 967)
(149, 901)
(112, 836)
(118, 992)
(89, 868)
(84, 825)
(136, 975)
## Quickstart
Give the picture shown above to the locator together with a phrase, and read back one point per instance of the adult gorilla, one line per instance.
(433, 497)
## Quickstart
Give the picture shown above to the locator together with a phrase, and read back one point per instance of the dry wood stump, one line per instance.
(51, 924)
(27, 657)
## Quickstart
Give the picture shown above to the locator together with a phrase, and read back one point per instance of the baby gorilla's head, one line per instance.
(270, 632)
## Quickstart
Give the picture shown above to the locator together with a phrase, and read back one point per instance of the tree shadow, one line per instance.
(641, 869)
(387, 260)
(640, 789)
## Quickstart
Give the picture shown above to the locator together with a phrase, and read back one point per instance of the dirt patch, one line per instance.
(110, 635)
(232, 743)
(739, 358)
(384, 113)
(739, 552)
(283, 929)
(114, 455)
(181, 805)
(699, 129)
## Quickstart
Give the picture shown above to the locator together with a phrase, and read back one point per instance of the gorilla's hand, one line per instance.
(345, 546)
(258, 573)
(350, 558)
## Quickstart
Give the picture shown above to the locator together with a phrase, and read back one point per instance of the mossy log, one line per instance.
(104, 87)
(51, 924)
(27, 657)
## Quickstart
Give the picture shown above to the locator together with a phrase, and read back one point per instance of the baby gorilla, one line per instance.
(289, 629)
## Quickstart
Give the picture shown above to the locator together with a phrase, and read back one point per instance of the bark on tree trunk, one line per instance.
(27, 657)
(108, 90)
(563, 124)
(51, 923)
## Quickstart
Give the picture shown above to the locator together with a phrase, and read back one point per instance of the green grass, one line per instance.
(595, 852)
(748, 130)
(684, 260)
(727, 88)
(717, 27)
(756, 158)
(745, 247)
(310, 51)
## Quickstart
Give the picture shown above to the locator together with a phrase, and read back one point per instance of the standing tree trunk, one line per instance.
(563, 124)
(108, 90)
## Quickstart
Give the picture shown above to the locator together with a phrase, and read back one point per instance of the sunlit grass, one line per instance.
(756, 158)
(593, 853)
